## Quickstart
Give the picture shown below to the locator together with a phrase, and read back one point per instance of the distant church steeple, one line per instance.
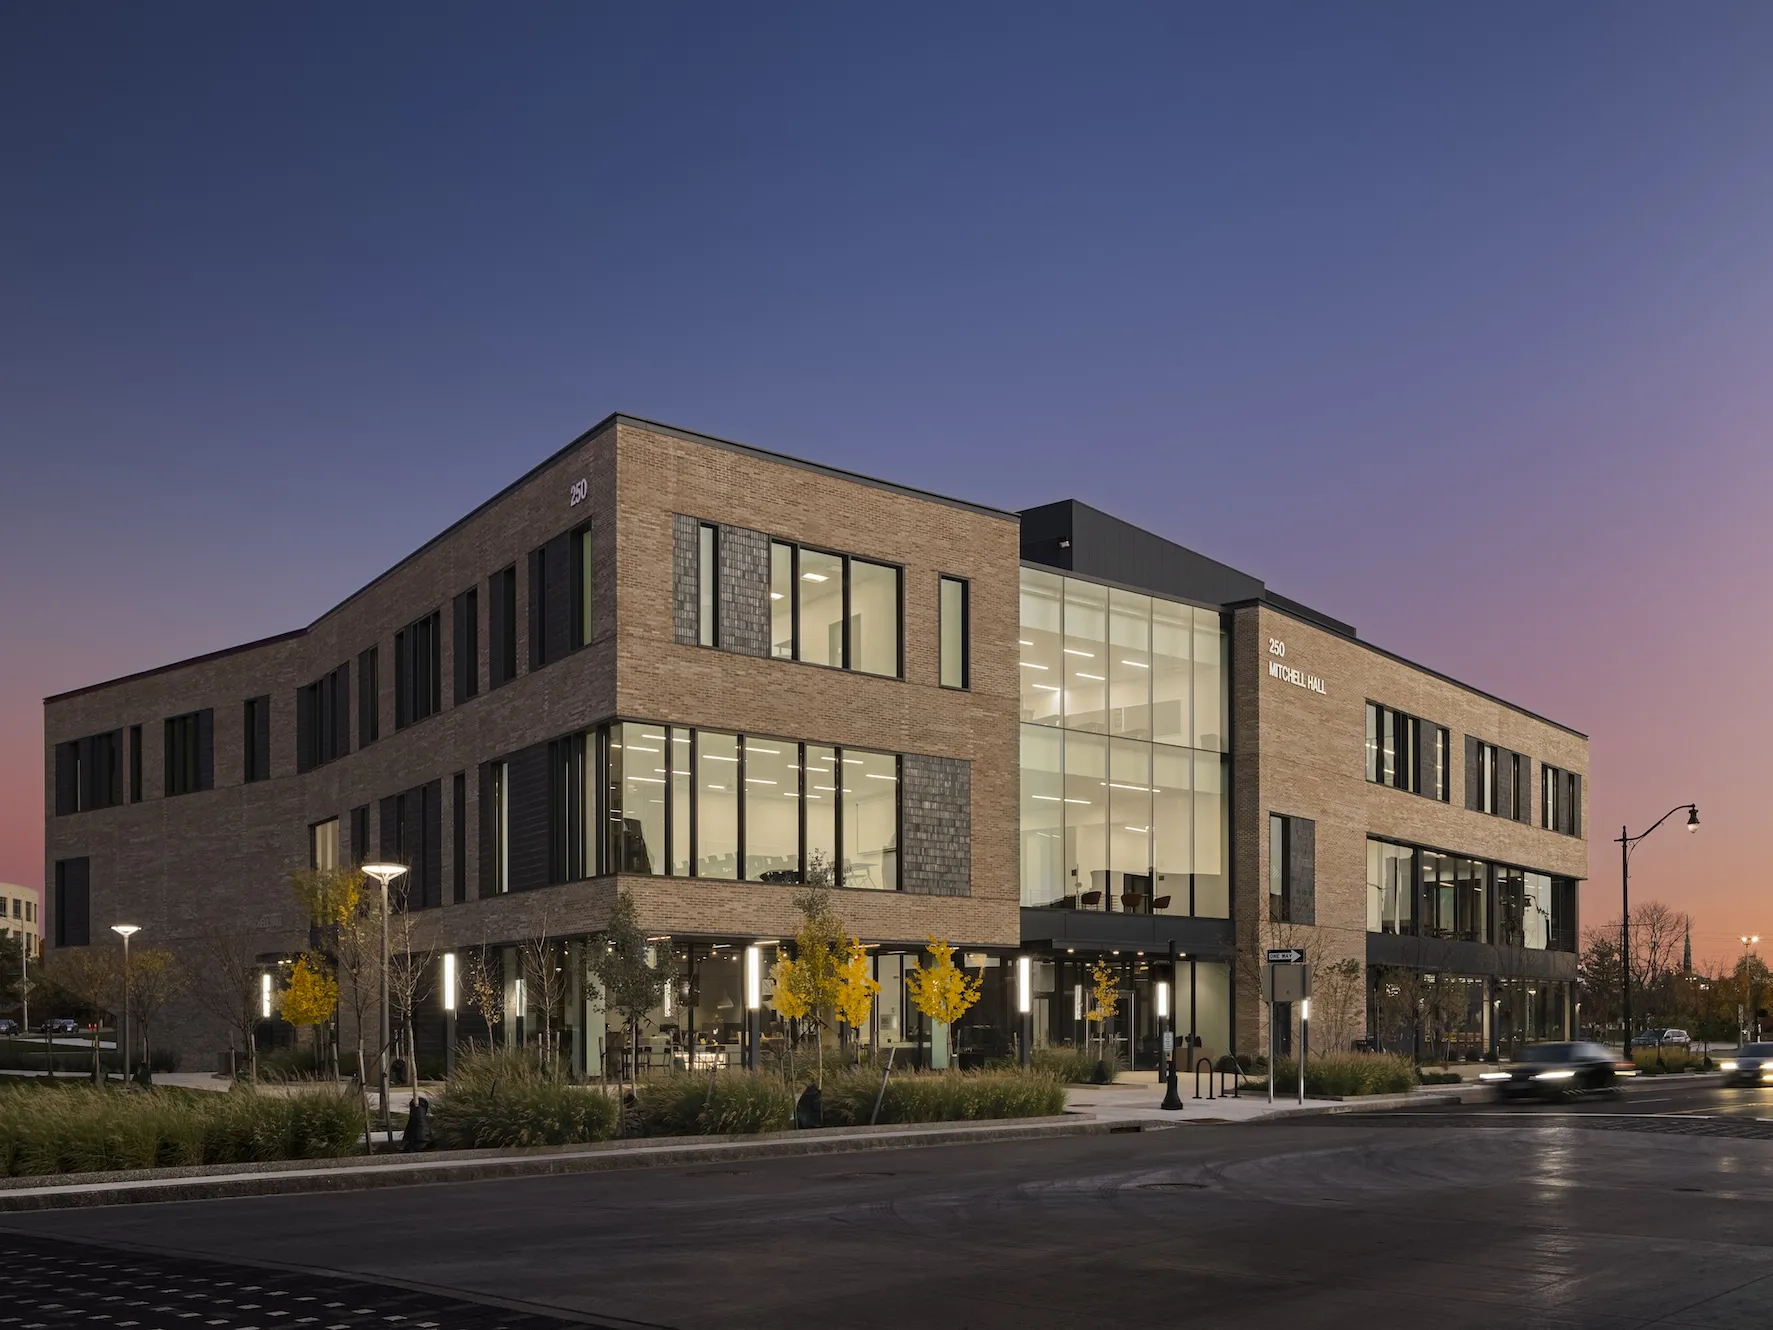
(1687, 952)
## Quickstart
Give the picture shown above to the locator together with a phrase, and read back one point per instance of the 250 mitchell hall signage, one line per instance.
(1277, 650)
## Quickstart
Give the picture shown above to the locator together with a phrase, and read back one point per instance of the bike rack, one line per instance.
(1206, 1063)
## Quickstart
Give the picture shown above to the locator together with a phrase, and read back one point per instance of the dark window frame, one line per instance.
(501, 627)
(418, 670)
(256, 739)
(465, 646)
(189, 768)
(1413, 742)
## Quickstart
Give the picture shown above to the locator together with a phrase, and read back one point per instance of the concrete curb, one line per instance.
(357, 1173)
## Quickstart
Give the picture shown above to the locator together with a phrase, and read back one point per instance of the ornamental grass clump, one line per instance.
(1341, 1075)
(952, 1096)
(89, 1129)
(501, 1098)
(728, 1103)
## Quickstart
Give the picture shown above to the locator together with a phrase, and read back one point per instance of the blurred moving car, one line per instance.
(1559, 1071)
(8, 1025)
(60, 1025)
(1752, 1065)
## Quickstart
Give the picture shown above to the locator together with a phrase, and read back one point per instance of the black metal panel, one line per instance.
(1092, 930)
(73, 902)
(1477, 958)
(528, 804)
(1302, 870)
(1076, 537)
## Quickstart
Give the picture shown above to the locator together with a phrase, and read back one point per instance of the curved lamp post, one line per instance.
(125, 931)
(1627, 843)
(384, 873)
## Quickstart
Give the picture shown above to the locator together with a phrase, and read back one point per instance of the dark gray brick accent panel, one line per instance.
(683, 578)
(936, 815)
(744, 591)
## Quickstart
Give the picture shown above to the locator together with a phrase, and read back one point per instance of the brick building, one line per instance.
(702, 673)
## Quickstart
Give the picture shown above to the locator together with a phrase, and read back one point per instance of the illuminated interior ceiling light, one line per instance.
(813, 577)
(1136, 664)
(1079, 674)
(1030, 665)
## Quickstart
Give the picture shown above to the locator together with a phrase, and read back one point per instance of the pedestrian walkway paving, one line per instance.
(1138, 1098)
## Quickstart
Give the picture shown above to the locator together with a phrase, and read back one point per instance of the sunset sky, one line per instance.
(1455, 322)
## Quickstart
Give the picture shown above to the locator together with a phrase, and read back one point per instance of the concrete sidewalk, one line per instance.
(1136, 1098)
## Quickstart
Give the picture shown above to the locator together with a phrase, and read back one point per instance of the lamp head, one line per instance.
(125, 931)
(1692, 817)
(383, 873)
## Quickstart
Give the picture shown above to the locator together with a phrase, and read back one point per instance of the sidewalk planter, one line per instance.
(503, 1099)
(1345, 1074)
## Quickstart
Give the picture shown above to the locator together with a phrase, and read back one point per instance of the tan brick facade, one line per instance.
(1301, 753)
(183, 866)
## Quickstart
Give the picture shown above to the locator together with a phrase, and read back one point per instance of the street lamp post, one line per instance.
(753, 1006)
(125, 931)
(384, 873)
(1627, 843)
(1025, 1009)
(1748, 988)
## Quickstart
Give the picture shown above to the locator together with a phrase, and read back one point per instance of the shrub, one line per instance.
(1434, 1077)
(1075, 1066)
(1345, 1074)
(502, 1098)
(945, 1096)
(728, 1103)
(83, 1129)
(1671, 1060)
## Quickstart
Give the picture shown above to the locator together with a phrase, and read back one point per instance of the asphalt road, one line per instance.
(1655, 1208)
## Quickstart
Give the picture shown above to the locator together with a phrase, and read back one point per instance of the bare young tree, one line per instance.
(409, 980)
(543, 965)
(226, 983)
(93, 978)
(483, 988)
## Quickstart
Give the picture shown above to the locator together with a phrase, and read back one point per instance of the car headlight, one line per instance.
(1559, 1075)
(1492, 1076)
(1726, 1066)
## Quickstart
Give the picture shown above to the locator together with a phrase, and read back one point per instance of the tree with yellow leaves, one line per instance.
(1105, 989)
(312, 993)
(942, 992)
(856, 986)
(809, 985)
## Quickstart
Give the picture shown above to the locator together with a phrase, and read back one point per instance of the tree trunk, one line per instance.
(98, 1076)
(369, 1147)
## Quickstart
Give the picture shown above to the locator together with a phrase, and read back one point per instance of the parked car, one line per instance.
(8, 1025)
(60, 1025)
(1558, 1071)
(1752, 1065)
(1661, 1038)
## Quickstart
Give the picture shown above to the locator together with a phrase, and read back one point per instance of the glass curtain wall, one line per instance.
(1124, 701)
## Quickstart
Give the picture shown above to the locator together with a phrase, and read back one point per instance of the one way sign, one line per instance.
(1286, 955)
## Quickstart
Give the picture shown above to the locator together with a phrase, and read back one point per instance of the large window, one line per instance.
(1119, 825)
(190, 752)
(1560, 801)
(256, 733)
(501, 626)
(1406, 752)
(1292, 869)
(323, 719)
(750, 807)
(581, 585)
(467, 645)
(369, 697)
(1430, 893)
(836, 610)
(89, 773)
(498, 814)
(1391, 888)
(955, 633)
(1117, 662)
(418, 671)
(717, 804)
(772, 810)
(323, 844)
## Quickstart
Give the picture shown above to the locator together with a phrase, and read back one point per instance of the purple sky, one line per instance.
(1451, 321)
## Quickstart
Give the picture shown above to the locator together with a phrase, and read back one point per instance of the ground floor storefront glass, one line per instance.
(1440, 1017)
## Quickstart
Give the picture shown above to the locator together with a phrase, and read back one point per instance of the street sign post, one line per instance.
(1286, 978)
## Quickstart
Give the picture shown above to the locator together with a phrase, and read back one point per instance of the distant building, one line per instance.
(704, 674)
(21, 918)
